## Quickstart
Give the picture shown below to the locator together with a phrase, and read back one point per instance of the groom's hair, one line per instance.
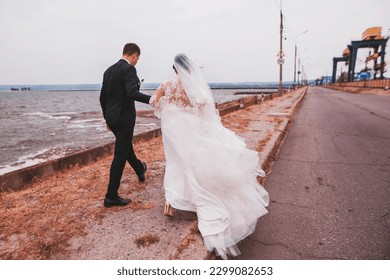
(131, 49)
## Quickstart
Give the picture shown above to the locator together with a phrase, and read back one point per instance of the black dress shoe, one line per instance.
(108, 202)
(141, 178)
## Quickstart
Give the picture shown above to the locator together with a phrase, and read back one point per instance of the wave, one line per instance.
(56, 116)
(26, 161)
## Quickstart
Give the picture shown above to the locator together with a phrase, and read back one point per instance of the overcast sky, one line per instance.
(74, 41)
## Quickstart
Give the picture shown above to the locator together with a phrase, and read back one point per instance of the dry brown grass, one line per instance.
(147, 240)
(236, 122)
(137, 204)
(38, 221)
(264, 142)
(185, 242)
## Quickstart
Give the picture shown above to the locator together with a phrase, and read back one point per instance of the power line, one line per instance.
(285, 23)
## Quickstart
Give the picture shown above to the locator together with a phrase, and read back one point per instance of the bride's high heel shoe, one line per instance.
(168, 210)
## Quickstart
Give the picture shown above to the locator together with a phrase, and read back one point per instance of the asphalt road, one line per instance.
(330, 183)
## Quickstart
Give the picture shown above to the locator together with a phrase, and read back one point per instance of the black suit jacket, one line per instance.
(119, 91)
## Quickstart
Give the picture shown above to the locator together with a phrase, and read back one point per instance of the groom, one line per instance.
(119, 91)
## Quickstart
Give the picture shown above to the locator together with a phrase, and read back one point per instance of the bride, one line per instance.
(209, 169)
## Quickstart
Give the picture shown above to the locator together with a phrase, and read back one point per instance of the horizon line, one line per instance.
(70, 84)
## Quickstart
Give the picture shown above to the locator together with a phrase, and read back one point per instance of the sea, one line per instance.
(45, 122)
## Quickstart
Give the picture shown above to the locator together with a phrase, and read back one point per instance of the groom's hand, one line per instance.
(108, 128)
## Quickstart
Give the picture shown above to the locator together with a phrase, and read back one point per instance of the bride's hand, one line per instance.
(156, 97)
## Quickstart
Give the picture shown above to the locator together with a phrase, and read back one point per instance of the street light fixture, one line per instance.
(295, 59)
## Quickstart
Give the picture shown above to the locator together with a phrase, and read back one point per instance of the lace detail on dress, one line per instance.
(174, 93)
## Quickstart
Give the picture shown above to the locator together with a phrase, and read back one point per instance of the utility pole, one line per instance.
(281, 54)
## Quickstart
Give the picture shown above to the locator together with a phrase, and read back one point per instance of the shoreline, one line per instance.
(18, 178)
(55, 124)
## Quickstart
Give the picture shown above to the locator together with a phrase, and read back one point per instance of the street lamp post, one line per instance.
(301, 70)
(295, 57)
(295, 63)
(299, 62)
(281, 60)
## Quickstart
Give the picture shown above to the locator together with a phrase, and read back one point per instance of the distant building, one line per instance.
(323, 80)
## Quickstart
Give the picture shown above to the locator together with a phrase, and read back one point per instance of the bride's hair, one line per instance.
(182, 60)
(195, 85)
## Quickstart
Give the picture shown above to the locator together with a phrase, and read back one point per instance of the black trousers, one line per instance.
(123, 152)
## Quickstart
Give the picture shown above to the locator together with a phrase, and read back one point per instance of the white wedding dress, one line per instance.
(209, 170)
